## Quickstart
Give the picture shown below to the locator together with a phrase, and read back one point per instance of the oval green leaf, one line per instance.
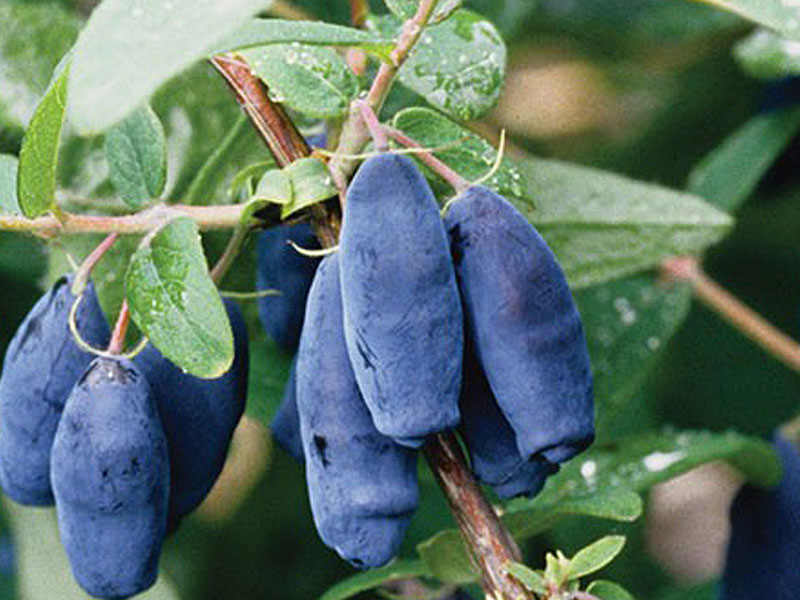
(136, 151)
(595, 556)
(174, 302)
(528, 577)
(38, 157)
(312, 80)
(130, 47)
(399, 569)
(458, 66)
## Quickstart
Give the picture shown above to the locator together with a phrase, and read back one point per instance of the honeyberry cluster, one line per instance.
(418, 325)
(123, 448)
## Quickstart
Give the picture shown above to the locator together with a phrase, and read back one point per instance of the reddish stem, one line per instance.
(437, 166)
(117, 343)
(85, 271)
(377, 132)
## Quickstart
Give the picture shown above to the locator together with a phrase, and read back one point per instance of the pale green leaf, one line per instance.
(603, 226)
(302, 183)
(130, 47)
(174, 302)
(767, 55)
(262, 32)
(731, 172)
(8, 184)
(608, 590)
(595, 556)
(38, 157)
(312, 80)
(399, 569)
(468, 154)
(458, 66)
(136, 151)
(531, 579)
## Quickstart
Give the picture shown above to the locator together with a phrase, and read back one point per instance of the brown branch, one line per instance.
(270, 119)
(488, 541)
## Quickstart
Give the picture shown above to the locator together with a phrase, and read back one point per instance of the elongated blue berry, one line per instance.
(403, 319)
(526, 330)
(198, 416)
(110, 475)
(764, 549)
(491, 442)
(282, 268)
(41, 365)
(361, 484)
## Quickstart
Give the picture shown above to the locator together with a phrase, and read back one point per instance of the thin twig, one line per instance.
(85, 270)
(743, 318)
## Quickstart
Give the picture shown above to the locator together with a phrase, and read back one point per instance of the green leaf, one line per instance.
(8, 184)
(608, 590)
(302, 183)
(130, 47)
(311, 183)
(309, 79)
(399, 569)
(527, 518)
(628, 323)
(405, 9)
(595, 556)
(639, 462)
(38, 157)
(174, 302)
(269, 371)
(136, 151)
(262, 32)
(766, 55)
(446, 556)
(528, 577)
(243, 185)
(603, 226)
(468, 154)
(731, 172)
(458, 66)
